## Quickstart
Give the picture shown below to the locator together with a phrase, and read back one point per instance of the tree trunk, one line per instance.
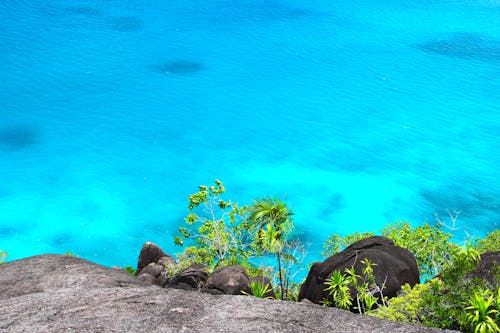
(281, 278)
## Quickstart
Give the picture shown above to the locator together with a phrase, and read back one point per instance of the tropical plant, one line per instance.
(481, 312)
(337, 286)
(450, 301)
(259, 290)
(217, 230)
(271, 222)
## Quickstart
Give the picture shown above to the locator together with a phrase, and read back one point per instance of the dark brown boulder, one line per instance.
(230, 280)
(393, 267)
(191, 278)
(151, 253)
(487, 267)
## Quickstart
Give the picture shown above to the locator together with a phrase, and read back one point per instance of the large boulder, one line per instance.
(191, 278)
(229, 280)
(152, 253)
(152, 264)
(53, 293)
(393, 267)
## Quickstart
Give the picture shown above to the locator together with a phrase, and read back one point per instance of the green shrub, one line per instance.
(491, 243)
(482, 312)
(131, 270)
(430, 245)
(3, 255)
(450, 301)
(408, 307)
(341, 287)
(336, 243)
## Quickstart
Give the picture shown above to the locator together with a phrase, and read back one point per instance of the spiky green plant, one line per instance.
(259, 290)
(338, 290)
(481, 313)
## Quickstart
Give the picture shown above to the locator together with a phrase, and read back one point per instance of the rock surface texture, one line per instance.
(53, 293)
(229, 280)
(394, 266)
(488, 266)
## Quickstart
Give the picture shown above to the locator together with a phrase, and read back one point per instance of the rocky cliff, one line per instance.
(54, 293)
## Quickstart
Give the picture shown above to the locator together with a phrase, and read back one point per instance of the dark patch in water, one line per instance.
(471, 204)
(177, 67)
(62, 240)
(82, 10)
(465, 46)
(126, 23)
(335, 203)
(17, 137)
(8, 231)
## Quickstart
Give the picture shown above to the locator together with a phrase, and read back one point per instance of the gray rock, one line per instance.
(149, 279)
(153, 269)
(53, 293)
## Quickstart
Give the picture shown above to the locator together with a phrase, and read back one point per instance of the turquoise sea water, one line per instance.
(357, 113)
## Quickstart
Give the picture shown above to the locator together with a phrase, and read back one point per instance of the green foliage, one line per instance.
(338, 290)
(430, 245)
(341, 287)
(3, 255)
(336, 243)
(481, 313)
(405, 308)
(131, 270)
(220, 232)
(259, 290)
(217, 229)
(451, 301)
(270, 220)
(491, 243)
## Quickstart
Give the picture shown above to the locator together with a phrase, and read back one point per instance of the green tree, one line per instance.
(271, 222)
(216, 228)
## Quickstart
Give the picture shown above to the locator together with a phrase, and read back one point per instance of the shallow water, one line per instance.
(356, 113)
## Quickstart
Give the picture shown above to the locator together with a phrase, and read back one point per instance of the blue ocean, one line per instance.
(356, 113)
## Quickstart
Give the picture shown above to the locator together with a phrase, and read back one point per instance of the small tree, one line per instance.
(271, 221)
(218, 230)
